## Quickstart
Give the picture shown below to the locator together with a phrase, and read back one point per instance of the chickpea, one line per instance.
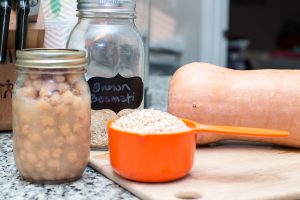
(69, 174)
(61, 109)
(61, 174)
(50, 132)
(79, 88)
(67, 97)
(22, 155)
(73, 78)
(34, 76)
(72, 156)
(82, 115)
(43, 105)
(35, 176)
(25, 119)
(86, 144)
(57, 153)
(63, 87)
(55, 99)
(44, 154)
(48, 175)
(65, 129)
(59, 78)
(35, 137)
(25, 129)
(71, 139)
(77, 128)
(59, 141)
(84, 137)
(84, 120)
(47, 89)
(44, 92)
(53, 163)
(27, 145)
(28, 92)
(77, 166)
(27, 83)
(77, 102)
(47, 121)
(37, 84)
(40, 167)
(32, 158)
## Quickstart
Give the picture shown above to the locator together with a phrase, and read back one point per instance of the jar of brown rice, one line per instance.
(51, 115)
(116, 58)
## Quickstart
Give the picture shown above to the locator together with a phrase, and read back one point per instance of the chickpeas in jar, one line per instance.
(51, 115)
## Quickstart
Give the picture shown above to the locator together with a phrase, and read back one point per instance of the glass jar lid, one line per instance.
(51, 58)
(113, 6)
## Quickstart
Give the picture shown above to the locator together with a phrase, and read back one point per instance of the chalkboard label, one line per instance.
(116, 93)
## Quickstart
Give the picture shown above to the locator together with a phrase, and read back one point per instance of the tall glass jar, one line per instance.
(115, 71)
(143, 24)
(51, 115)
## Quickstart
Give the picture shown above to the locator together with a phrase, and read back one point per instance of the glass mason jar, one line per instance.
(51, 115)
(115, 71)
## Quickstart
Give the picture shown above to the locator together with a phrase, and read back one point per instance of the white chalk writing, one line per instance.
(128, 98)
(97, 87)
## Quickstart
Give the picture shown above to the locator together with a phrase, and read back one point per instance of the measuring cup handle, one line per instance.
(231, 130)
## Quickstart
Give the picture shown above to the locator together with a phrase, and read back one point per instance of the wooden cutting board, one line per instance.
(227, 171)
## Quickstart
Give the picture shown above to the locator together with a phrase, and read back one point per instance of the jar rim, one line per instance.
(107, 6)
(43, 58)
(55, 71)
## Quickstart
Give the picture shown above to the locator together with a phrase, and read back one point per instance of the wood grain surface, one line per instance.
(7, 80)
(36, 31)
(35, 39)
(227, 171)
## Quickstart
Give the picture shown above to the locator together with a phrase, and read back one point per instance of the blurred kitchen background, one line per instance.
(240, 34)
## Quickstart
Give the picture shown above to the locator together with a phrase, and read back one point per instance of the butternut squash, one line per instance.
(215, 95)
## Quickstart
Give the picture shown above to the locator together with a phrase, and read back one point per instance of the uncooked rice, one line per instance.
(149, 121)
(99, 119)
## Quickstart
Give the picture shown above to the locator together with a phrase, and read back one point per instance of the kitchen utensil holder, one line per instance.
(35, 39)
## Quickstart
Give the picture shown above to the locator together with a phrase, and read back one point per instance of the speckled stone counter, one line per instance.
(92, 185)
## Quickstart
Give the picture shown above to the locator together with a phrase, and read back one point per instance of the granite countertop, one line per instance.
(92, 185)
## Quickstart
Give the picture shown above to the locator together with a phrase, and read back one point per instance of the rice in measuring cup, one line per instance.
(149, 121)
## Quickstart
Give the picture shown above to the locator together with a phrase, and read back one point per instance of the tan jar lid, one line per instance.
(51, 58)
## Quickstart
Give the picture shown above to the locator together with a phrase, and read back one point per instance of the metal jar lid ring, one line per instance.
(51, 58)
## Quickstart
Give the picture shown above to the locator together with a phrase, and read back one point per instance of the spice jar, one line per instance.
(51, 115)
(115, 71)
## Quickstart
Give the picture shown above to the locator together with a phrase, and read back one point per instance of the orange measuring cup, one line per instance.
(165, 157)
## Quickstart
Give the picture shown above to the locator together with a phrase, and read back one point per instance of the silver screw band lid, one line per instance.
(51, 58)
(113, 6)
